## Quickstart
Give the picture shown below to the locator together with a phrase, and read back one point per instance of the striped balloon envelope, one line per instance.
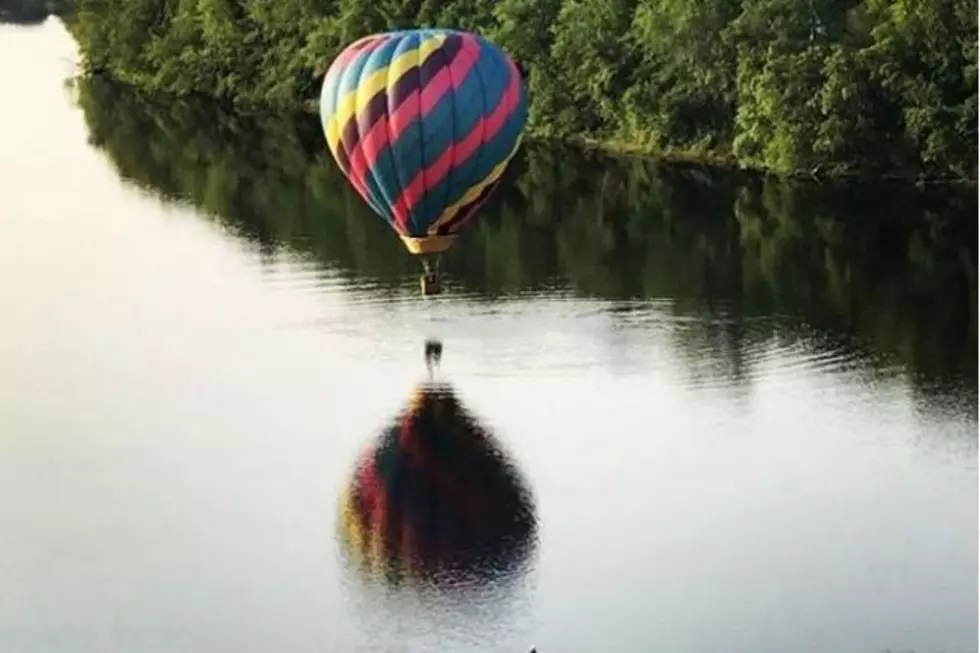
(423, 124)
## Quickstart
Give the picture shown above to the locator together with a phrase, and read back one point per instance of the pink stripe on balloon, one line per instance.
(422, 102)
(460, 67)
(358, 186)
(457, 154)
(470, 142)
(374, 142)
(424, 180)
(409, 197)
(404, 115)
(450, 76)
(435, 89)
(506, 106)
(366, 44)
(409, 110)
(367, 151)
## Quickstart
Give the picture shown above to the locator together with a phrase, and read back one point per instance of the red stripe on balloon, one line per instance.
(434, 90)
(422, 102)
(404, 115)
(452, 75)
(366, 152)
(402, 104)
(413, 192)
(405, 93)
(343, 161)
(448, 77)
(457, 154)
(348, 54)
(363, 154)
(505, 108)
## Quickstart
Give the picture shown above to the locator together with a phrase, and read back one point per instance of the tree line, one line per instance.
(876, 87)
(890, 264)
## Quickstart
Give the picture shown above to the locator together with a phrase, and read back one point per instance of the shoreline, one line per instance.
(611, 147)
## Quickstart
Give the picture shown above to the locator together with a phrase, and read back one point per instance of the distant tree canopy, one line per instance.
(27, 12)
(879, 86)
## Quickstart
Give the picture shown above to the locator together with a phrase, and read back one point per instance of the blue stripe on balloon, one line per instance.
(328, 97)
(439, 136)
(495, 76)
(402, 163)
(380, 178)
(331, 84)
(348, 83)
(458, 116)
(467, 107)
(375, 63)
(349, 79)
(467, 110)
(496, 150)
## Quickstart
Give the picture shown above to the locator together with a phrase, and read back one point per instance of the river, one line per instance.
(676, 410)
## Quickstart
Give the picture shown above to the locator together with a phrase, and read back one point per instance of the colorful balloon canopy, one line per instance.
(436, 501)
(423, 124)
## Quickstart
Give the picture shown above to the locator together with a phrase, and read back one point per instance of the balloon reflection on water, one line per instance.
(435, 502)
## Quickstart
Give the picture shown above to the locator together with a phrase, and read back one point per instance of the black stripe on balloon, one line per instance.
(449, 50)
(377, 107)
(410, 81)
(476, 99)
(343, 162)
(466, 212)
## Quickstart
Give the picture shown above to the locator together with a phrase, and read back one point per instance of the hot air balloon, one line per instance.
(435, 502)
(423, 124)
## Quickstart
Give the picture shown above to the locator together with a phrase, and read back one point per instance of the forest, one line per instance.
(821, 87)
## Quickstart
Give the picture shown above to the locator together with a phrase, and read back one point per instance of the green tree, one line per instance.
(588, 60)
(827, 86)
(683, 88)
(924, 56)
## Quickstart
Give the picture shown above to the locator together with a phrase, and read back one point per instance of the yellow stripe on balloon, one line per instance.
(356, 100)
(333, 139)
(345, 107)
(427, 47)
(474, 191)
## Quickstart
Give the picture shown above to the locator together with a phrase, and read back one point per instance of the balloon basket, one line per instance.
(429, 282)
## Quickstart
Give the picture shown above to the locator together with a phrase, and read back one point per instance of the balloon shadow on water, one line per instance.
(436, 504)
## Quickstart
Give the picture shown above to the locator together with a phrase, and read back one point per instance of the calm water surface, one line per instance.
(675, 411)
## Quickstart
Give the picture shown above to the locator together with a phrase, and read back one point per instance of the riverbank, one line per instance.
(844, 90)
(612, 147)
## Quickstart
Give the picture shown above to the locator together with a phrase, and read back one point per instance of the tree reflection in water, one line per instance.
(890, 269)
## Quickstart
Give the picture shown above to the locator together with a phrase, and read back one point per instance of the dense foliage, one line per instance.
(894, 266)
(877, 86)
